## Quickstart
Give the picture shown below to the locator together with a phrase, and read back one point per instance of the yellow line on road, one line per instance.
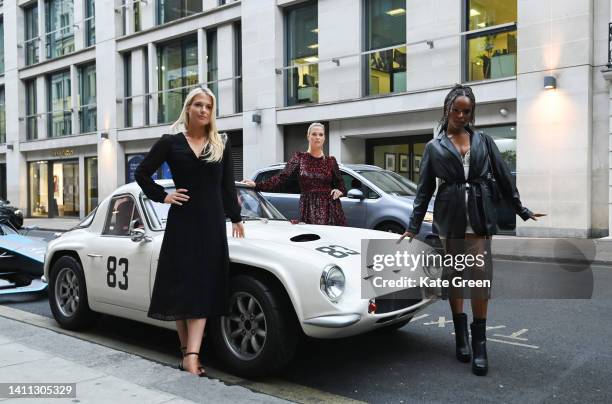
(270, 386)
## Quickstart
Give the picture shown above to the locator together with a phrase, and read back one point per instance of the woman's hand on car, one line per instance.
(249, 183)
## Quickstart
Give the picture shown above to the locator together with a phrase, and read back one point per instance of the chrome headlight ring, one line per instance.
(333, 282)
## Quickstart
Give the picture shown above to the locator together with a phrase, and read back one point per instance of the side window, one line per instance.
(293, 187)
(351, 182)
(121, 212)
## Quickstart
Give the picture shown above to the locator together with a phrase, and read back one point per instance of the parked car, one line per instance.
(376, 199)
(12, 213)
(21, 259)
(285, 279)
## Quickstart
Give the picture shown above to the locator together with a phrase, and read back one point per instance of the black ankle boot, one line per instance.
(462, 339)
(480, 364)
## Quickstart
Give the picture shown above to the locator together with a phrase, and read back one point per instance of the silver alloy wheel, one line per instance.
(67, 292)
(245, 328)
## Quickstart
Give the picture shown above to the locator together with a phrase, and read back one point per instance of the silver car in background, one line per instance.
(377, 199)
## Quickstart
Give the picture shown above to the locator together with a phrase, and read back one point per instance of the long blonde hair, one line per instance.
(310, 128)
(215, 140)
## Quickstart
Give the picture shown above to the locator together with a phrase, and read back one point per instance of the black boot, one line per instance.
(462, 339)
(480, 364)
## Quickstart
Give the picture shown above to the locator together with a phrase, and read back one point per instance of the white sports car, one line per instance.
(286, 279)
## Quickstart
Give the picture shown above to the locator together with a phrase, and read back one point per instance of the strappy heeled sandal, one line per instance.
(200, 368)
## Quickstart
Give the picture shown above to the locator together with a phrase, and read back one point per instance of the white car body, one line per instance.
(267, 246)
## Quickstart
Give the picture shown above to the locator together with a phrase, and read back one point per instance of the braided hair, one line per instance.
(458, 90)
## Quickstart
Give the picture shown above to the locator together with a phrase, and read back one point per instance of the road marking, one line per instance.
(495, 327)
(513, 343)
(419, 317)
(272, 386)
(515, 335)
(441, 322)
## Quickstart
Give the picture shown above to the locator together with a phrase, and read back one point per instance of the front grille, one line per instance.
(398, 300)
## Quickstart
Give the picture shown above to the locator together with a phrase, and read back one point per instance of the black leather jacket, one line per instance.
(441, 159)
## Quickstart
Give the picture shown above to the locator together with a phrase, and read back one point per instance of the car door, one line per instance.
(287, 199)
(355, 210)
(120, 266)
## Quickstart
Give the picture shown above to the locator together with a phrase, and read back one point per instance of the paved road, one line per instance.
(540, 351)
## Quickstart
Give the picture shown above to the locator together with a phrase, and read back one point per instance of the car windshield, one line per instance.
(254, 207)
(390, 182)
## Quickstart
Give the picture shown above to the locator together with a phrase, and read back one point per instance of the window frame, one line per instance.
(109, 215)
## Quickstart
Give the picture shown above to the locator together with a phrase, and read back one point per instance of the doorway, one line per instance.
(401, 155)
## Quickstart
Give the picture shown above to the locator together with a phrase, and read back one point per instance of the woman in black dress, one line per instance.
(464, 212)
(191, 283)
(321, 184)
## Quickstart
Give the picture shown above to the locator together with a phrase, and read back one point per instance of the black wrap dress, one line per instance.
(192, 272)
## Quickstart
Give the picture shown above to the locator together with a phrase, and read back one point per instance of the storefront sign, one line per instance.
(63, 153)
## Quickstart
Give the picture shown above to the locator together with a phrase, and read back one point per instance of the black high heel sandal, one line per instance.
(200, 368)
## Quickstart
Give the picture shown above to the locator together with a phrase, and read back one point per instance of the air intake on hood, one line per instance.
(305, 237)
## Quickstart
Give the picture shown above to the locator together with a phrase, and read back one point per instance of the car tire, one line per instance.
(276, 332)
(390, 227)
(394, 327)
(68, 295)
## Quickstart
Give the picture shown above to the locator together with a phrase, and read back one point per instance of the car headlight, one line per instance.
(332, 282)
(428, 217)
(18, 212)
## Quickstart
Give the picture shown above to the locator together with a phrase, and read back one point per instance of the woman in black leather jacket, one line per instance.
(464, 212)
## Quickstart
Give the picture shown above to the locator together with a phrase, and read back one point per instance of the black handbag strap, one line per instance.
(491, 174)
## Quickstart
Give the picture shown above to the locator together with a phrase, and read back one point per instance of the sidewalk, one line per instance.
(30, 354)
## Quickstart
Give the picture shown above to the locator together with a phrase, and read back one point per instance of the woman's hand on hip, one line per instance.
(408, 234)
(238, 230)
(176, 198)
(335, 194)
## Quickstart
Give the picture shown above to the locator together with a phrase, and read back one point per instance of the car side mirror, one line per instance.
(355, 194)
(138, 235)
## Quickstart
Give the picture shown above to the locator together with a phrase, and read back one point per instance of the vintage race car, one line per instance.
(287, 279)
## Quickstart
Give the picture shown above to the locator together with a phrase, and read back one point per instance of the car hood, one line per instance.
(25, 246)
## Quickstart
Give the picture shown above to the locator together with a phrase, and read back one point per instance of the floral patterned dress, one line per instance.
(317, 177)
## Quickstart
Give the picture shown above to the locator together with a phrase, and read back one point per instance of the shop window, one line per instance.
(385, 27)
(177, 68)
(31, 116)
(91, 184)
(134, 160)
(54, 188)
(302, 38)
(491, 54)
(60, 104)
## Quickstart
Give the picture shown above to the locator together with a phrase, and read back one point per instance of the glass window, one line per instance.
(91, 183)
(87, 99)
(177, 67)
(491, 54)
(90, 23)
(137, 16)
(31, 35)
(132, 161)
(1, 46)
(2, 117)
(238, 66)
(390, 182)
(170, 10)
(212, 67)
(39, 189)
(385, 25)
(60, 120)
(65, 182)
(121, 213)
(127, 89)
(31, 121)
(302, 36)
(59, 27)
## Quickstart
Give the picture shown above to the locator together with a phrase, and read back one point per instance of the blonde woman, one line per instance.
(191, 283)
(320, 181)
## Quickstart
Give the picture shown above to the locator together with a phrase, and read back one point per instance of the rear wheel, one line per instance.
(68, 295)
(259, 336)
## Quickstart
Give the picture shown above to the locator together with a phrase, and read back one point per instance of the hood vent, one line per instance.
(305, 237)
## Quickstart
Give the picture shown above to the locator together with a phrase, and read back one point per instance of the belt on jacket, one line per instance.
(468, 183)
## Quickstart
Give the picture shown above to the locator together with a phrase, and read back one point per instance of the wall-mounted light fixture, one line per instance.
(256, 117)
(550, 82)
(9, 146)
(103, 135)
(504, 112)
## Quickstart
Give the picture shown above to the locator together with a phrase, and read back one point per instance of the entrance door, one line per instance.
(65, 199)
(401, 154)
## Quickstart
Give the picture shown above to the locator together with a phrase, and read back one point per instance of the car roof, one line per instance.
(133, 187)
(354, 167)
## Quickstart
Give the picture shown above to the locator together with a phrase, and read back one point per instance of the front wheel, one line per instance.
(259, 336)
(68, 295)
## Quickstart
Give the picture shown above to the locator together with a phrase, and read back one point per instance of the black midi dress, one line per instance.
(192, 272)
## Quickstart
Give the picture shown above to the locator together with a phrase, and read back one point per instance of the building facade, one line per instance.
(87, 86)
